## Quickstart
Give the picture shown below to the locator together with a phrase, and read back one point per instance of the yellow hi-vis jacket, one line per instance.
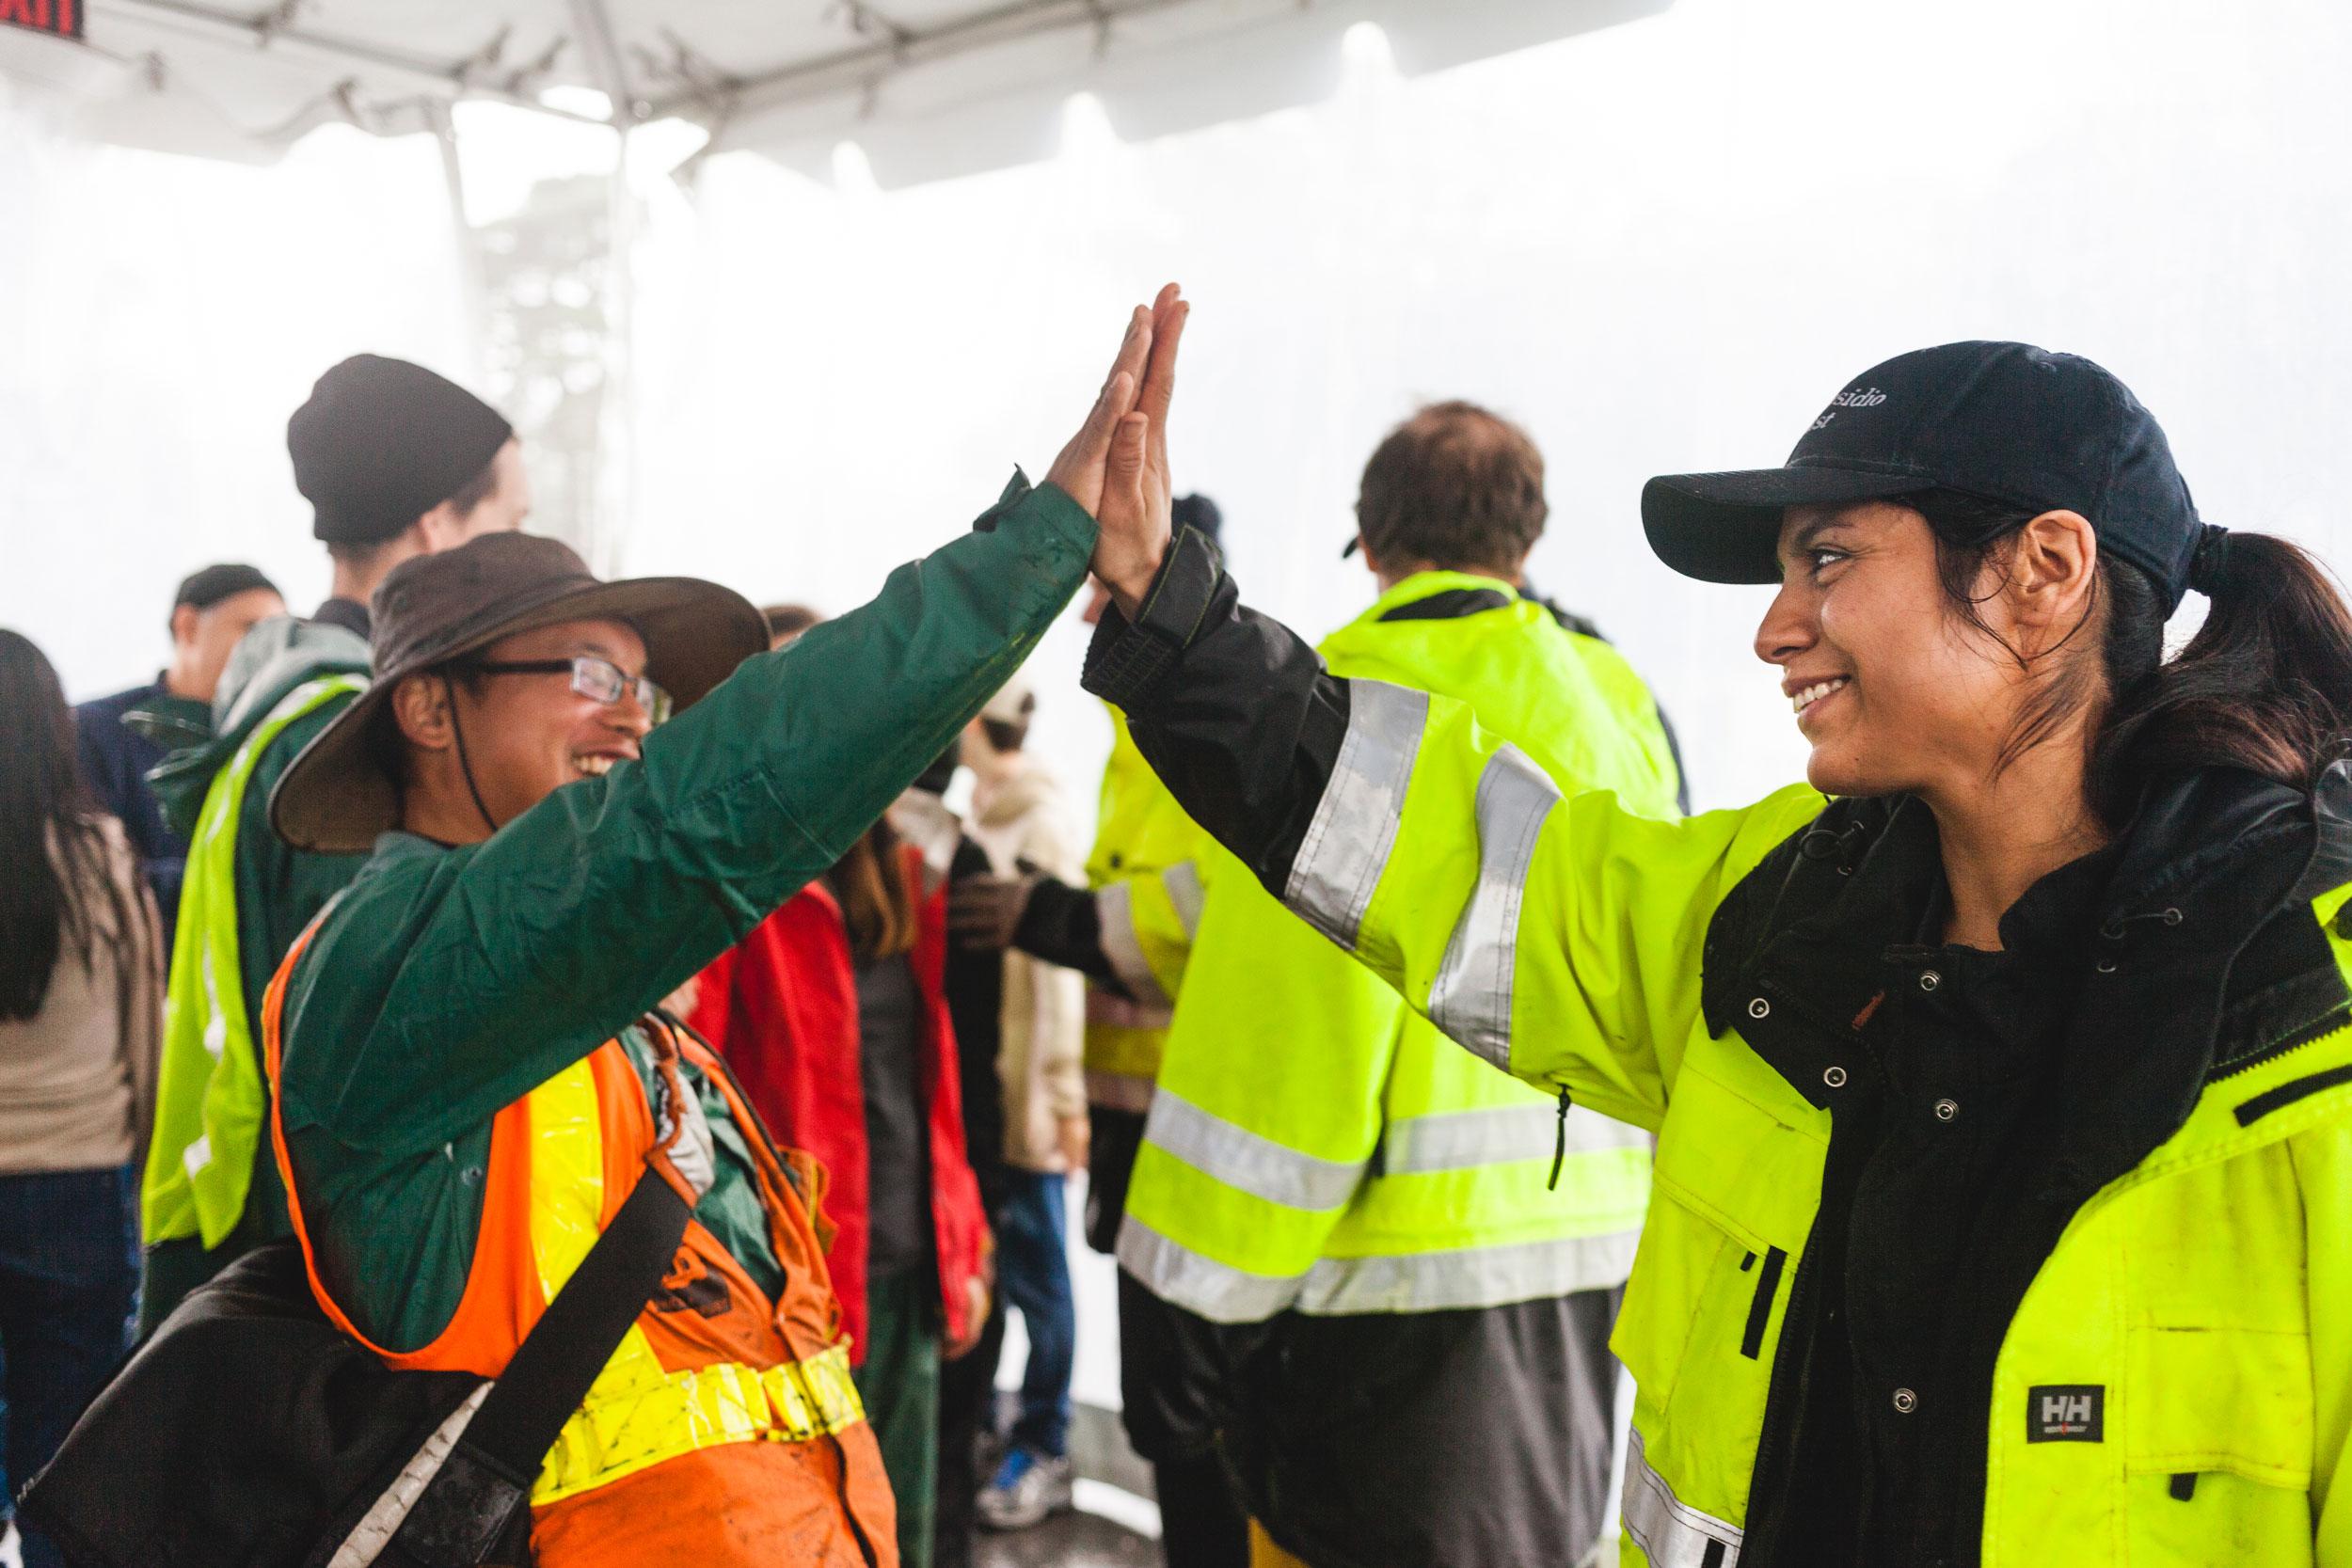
(1314, 1146)
(2173, 1389)
(1144, 868)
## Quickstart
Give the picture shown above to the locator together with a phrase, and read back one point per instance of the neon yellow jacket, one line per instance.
(2148, 1357)
(1144, 868)
(2174, 1386)
(1367, 1164)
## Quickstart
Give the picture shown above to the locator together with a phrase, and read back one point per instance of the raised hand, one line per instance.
(1080, 467)
(1134, 507)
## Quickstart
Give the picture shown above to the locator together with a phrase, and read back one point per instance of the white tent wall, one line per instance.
(1660, 247)
(159, 319)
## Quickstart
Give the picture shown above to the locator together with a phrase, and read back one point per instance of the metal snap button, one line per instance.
(1905, 1401)
(1759, 1008)
(1946, 1109)
(1834, 1077)
(1930, 979)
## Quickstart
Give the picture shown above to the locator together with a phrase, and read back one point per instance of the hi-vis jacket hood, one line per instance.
(269, 661)
(2155, 1354)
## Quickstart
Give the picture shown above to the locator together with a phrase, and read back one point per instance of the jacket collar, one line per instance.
(2203, 952)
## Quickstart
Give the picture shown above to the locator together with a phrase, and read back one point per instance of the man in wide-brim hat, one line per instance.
(468, 1071)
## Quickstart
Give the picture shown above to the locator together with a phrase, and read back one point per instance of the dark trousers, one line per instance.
(1170, 1379)
(967, 1407)
(900, 1385)
(69, 1272)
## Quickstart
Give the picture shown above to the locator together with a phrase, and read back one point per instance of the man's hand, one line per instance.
(1076, 1139)
(975, 1304)
(984, 912)
(1132, 511)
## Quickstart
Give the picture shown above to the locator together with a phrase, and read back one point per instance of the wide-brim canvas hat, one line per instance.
(437, 610)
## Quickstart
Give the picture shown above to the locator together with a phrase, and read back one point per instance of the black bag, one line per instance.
(252, 1433)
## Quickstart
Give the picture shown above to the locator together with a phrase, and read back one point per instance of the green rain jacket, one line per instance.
(2149, 1355)
(448, 983)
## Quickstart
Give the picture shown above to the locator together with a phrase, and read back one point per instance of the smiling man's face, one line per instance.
(528, 735)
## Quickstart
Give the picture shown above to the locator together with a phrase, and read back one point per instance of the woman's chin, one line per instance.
(1836, 772)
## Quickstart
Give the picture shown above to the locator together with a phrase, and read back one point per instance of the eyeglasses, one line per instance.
(598, 678)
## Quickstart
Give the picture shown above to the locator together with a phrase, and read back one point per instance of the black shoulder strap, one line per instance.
(474, 1499)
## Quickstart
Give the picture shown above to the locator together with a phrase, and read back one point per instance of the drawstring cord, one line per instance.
(1560, 1147)
(465, 763)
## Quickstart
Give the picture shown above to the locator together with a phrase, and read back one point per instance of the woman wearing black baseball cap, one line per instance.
(2003, 1200)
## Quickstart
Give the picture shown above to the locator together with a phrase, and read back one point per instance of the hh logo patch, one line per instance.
(2066, 1413)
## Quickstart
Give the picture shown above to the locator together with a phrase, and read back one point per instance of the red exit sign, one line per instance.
(60, 17)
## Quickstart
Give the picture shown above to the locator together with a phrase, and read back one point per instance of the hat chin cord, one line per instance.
(465, 763)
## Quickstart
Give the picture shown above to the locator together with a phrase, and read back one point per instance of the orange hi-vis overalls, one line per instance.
(725, 1429)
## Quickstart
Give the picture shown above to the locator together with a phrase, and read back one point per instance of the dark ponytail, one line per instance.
(2264, 686)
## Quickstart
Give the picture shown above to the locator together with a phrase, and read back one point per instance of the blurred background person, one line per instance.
(124, 734)
(832, 1013)
(1403, 1264)
(396, 462)
(1021, 823)
(81, 999)
(1127, 928)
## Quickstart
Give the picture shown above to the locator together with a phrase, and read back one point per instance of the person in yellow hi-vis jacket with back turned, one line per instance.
(2003, 1206)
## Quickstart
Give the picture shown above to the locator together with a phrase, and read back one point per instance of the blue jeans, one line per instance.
(69, 1279)
(1033, 1275)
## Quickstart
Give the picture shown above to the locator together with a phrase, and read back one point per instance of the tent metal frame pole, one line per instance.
(443, 79)
(854, 69)
(616, 487)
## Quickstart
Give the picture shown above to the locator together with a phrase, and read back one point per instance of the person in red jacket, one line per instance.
(833, 1016)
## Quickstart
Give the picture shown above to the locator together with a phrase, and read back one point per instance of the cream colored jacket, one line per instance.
(1021, 817)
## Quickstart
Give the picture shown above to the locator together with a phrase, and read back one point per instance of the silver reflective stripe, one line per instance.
(1470, 999)
(383, 1517)
(1674, 1534)
(1497, 1135)
(1183, 881)
(1346, 846)
(1215, 1290)
(1246, 1160)
(1116, 914)
(1472, 1277)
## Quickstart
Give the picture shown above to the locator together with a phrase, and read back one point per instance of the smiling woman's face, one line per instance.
(1896, 692)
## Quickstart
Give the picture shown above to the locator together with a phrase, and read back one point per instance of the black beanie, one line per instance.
(382, 442)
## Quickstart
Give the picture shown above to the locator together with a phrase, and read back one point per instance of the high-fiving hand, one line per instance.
(1117, 466)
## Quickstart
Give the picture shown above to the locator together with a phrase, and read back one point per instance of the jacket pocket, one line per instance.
(2218, 1438)
(1735, 1191)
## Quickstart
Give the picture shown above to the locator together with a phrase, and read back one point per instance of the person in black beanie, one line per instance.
(398, 461)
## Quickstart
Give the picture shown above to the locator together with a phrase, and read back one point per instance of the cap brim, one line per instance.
(1725, 527)
(336, 798)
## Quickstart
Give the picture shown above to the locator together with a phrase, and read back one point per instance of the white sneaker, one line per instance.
(1028, 1488)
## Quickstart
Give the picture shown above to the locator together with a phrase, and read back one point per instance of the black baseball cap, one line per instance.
(208, 586)
(2007, 422)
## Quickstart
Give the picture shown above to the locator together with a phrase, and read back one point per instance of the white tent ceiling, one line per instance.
(927, 88)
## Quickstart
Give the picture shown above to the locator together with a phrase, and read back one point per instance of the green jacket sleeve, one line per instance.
(446, 985)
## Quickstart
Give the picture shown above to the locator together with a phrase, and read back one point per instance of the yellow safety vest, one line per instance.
(1315, 1147)
(1144, 866)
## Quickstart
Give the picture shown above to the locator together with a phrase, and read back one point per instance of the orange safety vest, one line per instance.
(728, 1420)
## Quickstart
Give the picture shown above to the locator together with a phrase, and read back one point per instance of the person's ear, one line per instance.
(2053, 570)
(441, 529)
(184, 620)
(420, 707)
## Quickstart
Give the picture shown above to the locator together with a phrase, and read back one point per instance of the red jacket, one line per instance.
(782, 1006)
